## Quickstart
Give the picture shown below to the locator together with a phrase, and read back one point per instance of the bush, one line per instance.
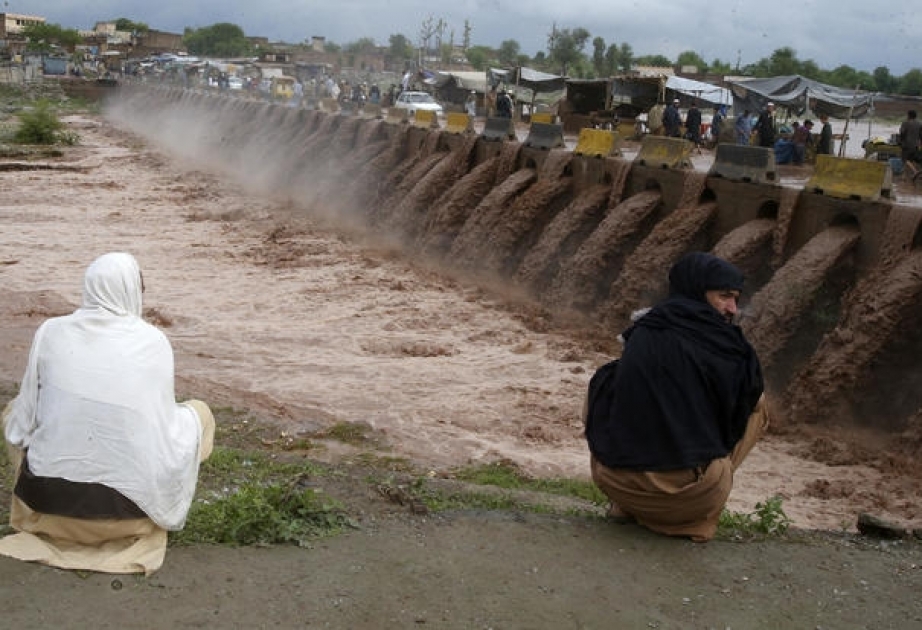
(40, 125)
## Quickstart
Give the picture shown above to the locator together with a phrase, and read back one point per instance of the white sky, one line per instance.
(863, 35)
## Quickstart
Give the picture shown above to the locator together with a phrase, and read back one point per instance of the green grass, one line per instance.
(507, 475)
(768, 519)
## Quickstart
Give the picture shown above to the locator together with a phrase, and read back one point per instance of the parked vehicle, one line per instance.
(234, 83)
(421, 101)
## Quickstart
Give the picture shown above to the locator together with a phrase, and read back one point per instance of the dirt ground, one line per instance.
(309, 325)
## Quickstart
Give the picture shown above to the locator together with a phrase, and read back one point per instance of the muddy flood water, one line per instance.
(319, 322)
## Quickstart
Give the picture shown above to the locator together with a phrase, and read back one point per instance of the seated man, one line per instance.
(107, 461)
(684, 406)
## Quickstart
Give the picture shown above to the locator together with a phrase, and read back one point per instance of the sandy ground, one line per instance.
(274, 311)
(311, 326)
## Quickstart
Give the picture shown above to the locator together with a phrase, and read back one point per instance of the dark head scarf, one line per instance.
(686, 382)
(697, 273)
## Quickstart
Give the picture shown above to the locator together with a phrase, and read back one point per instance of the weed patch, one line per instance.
(768, 519)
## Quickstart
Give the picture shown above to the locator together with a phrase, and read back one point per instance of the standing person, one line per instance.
(693, 124)
(503, 105)
(108, 461)
(717, 122)
(824, 143)
(683, 408)
(672, 120)
(470, 105)
(802, 138)
(655, 119)
(743, 128)
(766, 126)
(911, 137)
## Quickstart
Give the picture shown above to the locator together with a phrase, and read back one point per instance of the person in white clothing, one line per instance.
(107, 460)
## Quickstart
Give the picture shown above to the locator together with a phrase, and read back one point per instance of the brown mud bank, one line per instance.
(835, 284)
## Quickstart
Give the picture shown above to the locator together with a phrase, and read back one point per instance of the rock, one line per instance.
(876, 527)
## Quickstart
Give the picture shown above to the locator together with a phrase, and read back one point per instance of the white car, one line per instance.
(417, 101)
(235, 83)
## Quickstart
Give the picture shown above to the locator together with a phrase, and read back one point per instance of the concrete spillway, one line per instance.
(835, 284)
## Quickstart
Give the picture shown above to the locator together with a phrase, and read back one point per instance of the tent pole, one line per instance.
(851, 109)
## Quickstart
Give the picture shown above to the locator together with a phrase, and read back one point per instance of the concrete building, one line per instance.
(14, 23)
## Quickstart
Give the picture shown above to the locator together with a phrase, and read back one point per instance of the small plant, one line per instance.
(256, 514)
(507, 475)
(768, 519)
(40, 125)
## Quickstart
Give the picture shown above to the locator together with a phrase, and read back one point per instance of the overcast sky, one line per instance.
(863, 35)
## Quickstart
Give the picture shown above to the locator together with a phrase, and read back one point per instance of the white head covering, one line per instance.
(113, 282)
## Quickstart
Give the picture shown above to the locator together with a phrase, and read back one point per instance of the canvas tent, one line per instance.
(798, 95)
(703, 92)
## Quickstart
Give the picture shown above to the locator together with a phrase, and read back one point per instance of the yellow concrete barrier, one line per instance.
(543, 117)
(597, 143)
(424, 118)
(664, 152)
(847, 178)
(458, 122)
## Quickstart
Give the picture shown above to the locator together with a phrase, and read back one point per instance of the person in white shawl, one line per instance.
(107, 461)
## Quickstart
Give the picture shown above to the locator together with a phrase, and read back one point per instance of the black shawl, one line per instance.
(686, 382)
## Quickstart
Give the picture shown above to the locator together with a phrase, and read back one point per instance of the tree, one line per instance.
(657, 61)
(626, 57)
(599, 61)
(480, 56)
(565, 47)
(400, 49)
(364, 45)
(219, 40)
(124, 24)
(883, 80)
(691, 58)
(720, 67)
(911, 83)
(783, 62)
(508, 53)
(44, 37)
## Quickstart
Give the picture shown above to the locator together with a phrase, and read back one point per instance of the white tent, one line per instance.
(706, 92)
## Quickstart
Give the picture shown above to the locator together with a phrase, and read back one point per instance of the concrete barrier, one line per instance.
(597, 143)
(544, 136)
(329, 105)
(543, 117)
(741, 163)
(498, 129)
(458, 122)
(372, 110)
(425, 118)
(396, 115)
(664, 152)
(847, 178)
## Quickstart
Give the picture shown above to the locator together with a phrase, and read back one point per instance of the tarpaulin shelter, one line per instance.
(530, 86)
(699, 90)
(453, 87)
(799, 94)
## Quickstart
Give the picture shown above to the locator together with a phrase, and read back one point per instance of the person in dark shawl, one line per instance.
(684, 408)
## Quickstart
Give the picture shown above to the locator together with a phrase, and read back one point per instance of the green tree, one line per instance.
(565, 47)
(599, 60)
(124, 24)
(218, 40)
(399, 49)
(691, 58)
(657, 61)
(361, 46)
(508, 53)
(625, 57)
(783, 62)
(44, 37)
(720, 67)
(911, 83)
(883, 80)
(480, 57)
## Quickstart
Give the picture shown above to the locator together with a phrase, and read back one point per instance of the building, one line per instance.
(14, 23)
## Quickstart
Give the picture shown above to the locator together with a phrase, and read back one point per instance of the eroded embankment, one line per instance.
(836, 286)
